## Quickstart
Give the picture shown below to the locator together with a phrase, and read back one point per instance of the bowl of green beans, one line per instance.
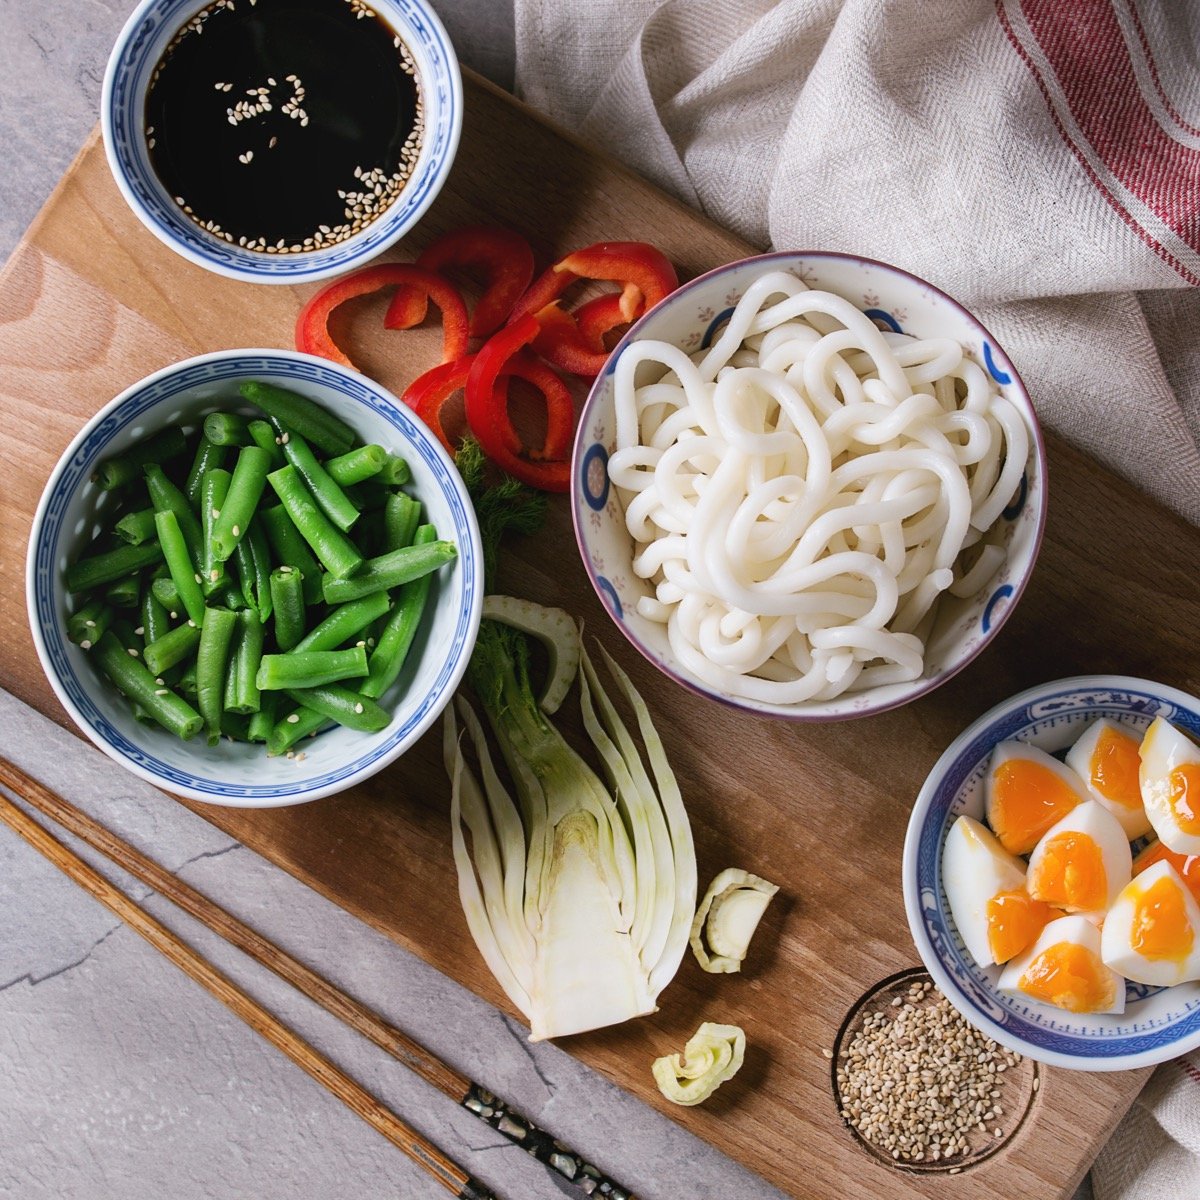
(254, 578)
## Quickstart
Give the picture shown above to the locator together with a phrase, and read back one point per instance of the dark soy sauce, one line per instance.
(284, 125)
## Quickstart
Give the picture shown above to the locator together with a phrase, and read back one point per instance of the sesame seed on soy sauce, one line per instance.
(284, 125)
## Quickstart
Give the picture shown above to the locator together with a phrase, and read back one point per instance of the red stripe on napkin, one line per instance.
(1160, 250)
(1082, 41)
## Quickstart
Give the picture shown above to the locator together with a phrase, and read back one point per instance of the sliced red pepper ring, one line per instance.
(574, 342)
(312, 325)
(598, 317)
(428, 395)
(645, 273)
(487, 409)
(560, 342)
(507, 262)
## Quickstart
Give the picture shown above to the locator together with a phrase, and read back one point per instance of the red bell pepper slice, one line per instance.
(575, 341)
(428, 394)
(506, 259)
(645, 273)
(312, 325)
(487, 413)
(598, 317)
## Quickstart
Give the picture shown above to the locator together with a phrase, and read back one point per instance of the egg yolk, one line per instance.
(1071, 977)
(1027, 799)
(1188, 865)
(1115, 766)
(1185, 796)
(1014, 921)
(1070, 874)
(1161, 930)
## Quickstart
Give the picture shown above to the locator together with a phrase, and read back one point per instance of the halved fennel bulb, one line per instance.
(579, 893)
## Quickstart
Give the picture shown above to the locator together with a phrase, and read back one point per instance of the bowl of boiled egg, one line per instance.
(1052, 873)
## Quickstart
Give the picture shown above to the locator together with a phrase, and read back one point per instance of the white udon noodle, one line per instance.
(801, 492)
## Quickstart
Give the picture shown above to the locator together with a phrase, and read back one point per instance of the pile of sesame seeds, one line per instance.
(919, 1083)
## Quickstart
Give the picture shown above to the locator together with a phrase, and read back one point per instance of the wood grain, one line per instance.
(90, 302)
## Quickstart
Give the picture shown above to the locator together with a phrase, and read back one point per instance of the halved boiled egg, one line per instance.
(1170, 778)
(1026, 792)
(1106, 759)
(1188, 865)
(1082, 862)
(1064, 968)
(1152, 931)
(985, 887)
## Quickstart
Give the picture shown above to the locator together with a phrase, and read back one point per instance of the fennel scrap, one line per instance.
(727, 918)
(713, 1054)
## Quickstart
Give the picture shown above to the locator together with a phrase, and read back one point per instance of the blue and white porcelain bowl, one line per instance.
(137, 51)
(1158, 1023)
(690, 318)
(71, 513)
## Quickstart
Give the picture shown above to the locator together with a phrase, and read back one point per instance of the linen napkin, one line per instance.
(1037, 159)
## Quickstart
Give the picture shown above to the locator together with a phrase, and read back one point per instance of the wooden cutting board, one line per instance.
(91, 302)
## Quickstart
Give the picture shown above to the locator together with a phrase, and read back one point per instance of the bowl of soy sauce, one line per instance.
(281, 141)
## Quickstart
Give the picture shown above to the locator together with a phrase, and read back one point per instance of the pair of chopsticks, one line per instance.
(487, 1107)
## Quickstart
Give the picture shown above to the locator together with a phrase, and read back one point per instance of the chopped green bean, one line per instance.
(337, 553)
(130, 675)
(298, 413)
(155, 621)
(401, 516)
(260, 554)
(263, 721)
(213, 489)
(125, 593)
(287, 598)
(226, 429)
(241, 692)
(212, 662)
(356, 465)
(344, 622)
(297, 724)
(396, 472)
(125, 468)
(264, 437)
(166, 497)
(183, 570)
(345, 707)
(313, 668)
(368, 495)
(330, 498)
(87, 625)
(99, 569)
(168, 596)
(245, 489)
(396, 638)
(136, 527)
(290, 548)
(173, 647)
(208, 458)
(388, 571)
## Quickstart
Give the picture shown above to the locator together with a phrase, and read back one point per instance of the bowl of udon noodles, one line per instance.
(809, 485)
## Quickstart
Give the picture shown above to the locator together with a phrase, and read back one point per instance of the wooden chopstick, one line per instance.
(422, 1151)
(488, 1107)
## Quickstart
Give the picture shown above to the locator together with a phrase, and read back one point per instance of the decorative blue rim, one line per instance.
(134, 57)
(582, 447)
(76, 466)
(1040, 1032)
